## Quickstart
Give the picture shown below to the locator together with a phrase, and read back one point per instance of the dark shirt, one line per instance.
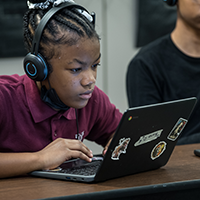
(160, 72)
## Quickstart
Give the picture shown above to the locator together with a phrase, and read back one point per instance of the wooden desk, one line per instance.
(182, 171)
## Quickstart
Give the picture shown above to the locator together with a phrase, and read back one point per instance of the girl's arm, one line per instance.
(54, 154)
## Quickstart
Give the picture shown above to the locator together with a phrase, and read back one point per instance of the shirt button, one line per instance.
(55, 134)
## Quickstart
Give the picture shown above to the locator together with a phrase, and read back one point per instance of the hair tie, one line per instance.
(45, 5)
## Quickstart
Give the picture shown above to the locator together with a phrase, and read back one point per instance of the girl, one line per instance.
(44, 121)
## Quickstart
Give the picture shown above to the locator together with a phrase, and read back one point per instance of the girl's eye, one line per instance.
(96, 65)
(76, 70)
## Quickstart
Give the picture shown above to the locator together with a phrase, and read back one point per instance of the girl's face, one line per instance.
(74, 72)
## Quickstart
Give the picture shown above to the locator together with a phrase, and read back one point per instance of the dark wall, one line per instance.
(11, 28)
(155, 19)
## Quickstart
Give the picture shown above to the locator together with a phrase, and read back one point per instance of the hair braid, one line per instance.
(88, 27)
(67, 20)
(69, 25)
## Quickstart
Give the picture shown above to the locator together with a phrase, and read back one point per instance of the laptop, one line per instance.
(144, 140)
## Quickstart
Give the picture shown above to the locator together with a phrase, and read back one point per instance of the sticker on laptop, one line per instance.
(158, 150)
(121, 148)
(176, 131)
(148, 138)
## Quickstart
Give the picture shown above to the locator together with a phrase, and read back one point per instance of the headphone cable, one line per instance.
(77, 126)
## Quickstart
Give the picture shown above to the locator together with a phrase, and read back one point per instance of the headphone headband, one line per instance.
(34, 63)
(44, 21)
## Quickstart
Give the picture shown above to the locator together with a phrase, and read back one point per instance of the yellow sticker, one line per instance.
(158, 150)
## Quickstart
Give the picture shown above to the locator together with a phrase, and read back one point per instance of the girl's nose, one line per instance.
(89, 78)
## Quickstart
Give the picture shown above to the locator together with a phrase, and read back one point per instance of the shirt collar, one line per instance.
(39, 110)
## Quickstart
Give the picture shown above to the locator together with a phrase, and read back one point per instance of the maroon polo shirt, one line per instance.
(27, 124)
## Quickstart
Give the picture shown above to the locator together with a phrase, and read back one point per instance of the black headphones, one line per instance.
(34, 63)
(171, 2)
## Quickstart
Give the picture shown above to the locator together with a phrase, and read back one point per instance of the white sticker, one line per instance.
(121, 148)
(148, 138)
(176, 131)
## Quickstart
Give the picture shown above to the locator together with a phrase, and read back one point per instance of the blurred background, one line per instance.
(124, 27)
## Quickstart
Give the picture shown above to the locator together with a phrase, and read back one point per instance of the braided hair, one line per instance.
(67, 27)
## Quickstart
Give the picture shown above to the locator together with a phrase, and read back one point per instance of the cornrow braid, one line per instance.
(69, 25)
(85, 23)
(67, 20)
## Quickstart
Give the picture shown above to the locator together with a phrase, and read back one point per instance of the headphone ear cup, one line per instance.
(35, 67)
(171, 2)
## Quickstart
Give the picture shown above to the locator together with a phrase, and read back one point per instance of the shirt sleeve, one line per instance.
(2, 107)
(107, 119)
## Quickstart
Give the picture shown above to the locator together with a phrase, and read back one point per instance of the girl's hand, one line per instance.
(61, 150)
(107, 145)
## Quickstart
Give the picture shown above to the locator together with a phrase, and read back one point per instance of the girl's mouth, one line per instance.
(86, 95)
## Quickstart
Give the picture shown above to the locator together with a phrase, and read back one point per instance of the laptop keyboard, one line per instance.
(86, 170)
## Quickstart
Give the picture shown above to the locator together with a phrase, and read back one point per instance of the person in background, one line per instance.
(45, 117)
(169, 67)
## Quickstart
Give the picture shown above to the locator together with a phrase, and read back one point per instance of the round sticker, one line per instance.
(158, 150)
